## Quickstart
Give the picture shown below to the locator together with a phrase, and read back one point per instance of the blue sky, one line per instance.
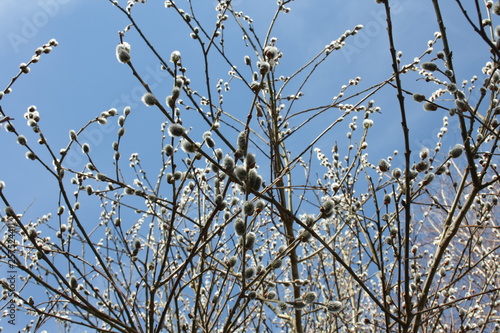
(82, 77)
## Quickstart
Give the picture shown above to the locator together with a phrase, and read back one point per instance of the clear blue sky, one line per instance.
(82, 77)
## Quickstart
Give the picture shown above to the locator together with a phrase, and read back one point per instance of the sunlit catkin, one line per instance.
(456, 151)
(250, 240)
(175, 130)
(248, 208)
(429, 66)
(241, 142)
(239, 226)
(383, 165)
(149, 99)
(123, 52)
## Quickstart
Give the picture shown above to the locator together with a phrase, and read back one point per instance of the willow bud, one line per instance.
(429, 66)
(149, 99)
(123, 52)
(383, 165)
(456, 151)
(239, 227)
(175, 130)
